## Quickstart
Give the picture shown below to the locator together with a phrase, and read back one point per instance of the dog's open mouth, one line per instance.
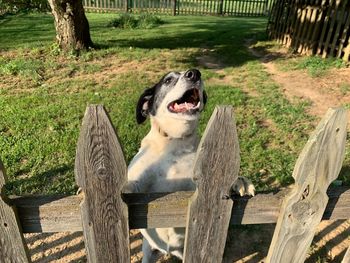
(189, 103)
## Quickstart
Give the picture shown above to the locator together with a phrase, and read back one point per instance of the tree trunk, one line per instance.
(72, 26)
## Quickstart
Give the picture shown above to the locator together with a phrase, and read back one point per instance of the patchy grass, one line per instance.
(344, 88)
(315, 66)
(131, 21)
(44, 94)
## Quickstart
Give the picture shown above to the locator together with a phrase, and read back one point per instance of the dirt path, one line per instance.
(323, 92)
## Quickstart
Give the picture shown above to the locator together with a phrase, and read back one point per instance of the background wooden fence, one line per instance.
(182, 7)
(312, 26)
(105, 214)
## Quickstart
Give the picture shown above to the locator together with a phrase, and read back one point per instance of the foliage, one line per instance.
(130, 21)
(10, 6)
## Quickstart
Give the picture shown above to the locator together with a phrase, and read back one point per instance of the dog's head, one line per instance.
(174, 103)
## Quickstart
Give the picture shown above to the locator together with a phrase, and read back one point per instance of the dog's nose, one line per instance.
(193, 75)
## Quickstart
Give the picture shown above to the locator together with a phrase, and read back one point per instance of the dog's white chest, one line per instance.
(175, 173)
(168, 171)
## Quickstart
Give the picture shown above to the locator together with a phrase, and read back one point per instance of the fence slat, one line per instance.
(12, 245)
(317, 166)
(326, 47)
(346, 258)
(188, 7)
(215, 169)
(340, 20)
(344, 36)
(101, 172)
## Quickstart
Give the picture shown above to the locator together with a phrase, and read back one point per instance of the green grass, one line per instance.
(130, 21)
(315, 66)
(44, 94)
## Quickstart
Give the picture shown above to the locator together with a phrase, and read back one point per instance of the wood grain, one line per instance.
(345, 36)
(215, 170)
(12, 246)
(341, 17)
(62, 213)
(346, 258)
(101, 172)
(317, 166)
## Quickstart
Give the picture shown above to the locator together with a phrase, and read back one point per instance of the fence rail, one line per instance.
(182, 7)
(105, 215)
(319, 27)
(44, 214)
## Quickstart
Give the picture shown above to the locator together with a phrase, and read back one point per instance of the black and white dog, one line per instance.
(165, 159)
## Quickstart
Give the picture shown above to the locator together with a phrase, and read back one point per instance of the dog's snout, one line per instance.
(193, 75)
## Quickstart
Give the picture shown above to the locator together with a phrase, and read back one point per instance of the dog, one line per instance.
(165, 159)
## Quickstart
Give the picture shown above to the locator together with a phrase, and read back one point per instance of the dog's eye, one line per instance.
(168, 80)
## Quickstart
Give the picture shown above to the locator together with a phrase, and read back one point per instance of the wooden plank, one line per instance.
(345, 35)
(327, 17)
(346, 56)
(294, 24)
(101, 172)
(12, 245)
(301, 25)
(346, 258)
(62, 213)
(317, 166)
(292, 11)
(317, 29)
(337, 35)
(331, 29)
(279, 20)
(216, 168)
(284, 24)
(307, 47)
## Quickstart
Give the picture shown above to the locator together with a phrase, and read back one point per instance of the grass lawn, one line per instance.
(43, 94)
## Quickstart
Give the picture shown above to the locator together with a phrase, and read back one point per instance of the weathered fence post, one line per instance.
(317, 166)
(174, 7)
(346, 258)
(221, 7)
(126, 3)
(101, 172)
(12, 246)
(215, 169)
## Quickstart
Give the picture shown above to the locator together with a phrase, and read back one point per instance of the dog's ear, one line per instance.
(144, 104)
(205, 97)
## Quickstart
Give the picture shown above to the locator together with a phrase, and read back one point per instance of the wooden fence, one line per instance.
(182, 7)
(319, 27)
(105, 214)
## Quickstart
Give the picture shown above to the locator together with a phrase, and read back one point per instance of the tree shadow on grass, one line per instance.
(24, 29)
(220, 38)
(37, 181)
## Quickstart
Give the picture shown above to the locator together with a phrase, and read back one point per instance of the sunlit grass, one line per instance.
(44, 94)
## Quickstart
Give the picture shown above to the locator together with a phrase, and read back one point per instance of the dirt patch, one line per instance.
(208, 61)
(323, 92)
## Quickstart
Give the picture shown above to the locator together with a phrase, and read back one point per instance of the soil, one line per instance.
(244, 243)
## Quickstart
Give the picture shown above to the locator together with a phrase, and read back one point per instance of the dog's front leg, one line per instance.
(149, 254)
(243, 186)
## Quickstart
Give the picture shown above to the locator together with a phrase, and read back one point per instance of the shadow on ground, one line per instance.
(245, 244)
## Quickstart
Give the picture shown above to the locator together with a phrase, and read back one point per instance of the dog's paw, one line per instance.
(243, 186)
